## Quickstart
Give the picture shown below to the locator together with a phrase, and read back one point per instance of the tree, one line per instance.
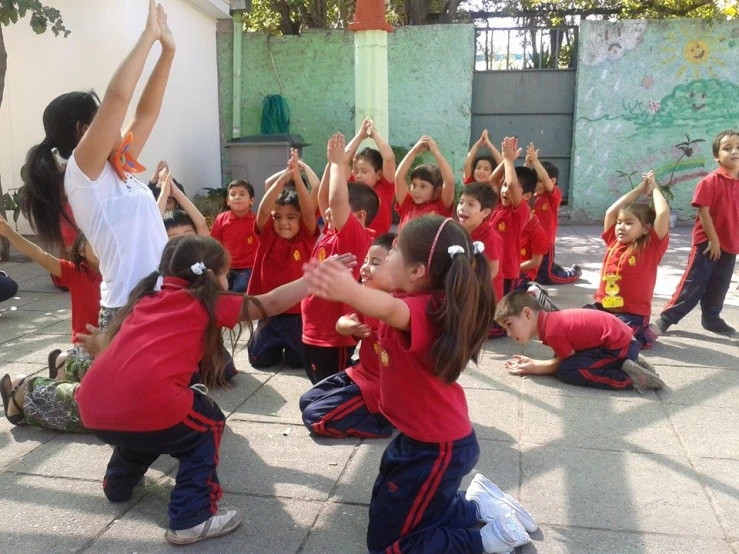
(42, 19)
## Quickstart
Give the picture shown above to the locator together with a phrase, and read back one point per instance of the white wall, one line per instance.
(40, 67)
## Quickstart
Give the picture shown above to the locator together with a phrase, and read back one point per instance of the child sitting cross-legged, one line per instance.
(286, 227)
(347, 404)
(592, 348)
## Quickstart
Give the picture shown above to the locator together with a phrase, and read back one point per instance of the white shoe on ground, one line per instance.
(223, 522)
(503, 534)
(492, 502)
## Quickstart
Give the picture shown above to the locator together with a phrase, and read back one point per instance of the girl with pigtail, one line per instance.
(430, 328)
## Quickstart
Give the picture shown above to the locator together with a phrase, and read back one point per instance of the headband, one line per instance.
(433, 244)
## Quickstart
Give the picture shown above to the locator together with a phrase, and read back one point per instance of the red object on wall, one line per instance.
(370, 16)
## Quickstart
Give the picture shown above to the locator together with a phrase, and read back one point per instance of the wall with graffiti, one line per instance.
(650, 95)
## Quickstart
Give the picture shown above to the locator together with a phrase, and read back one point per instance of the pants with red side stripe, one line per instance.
(705, 281)
(416, 503)
(639, 324)
(323, 361)
(194, 442)
(599, 368)
(335, 408)
(551, 273)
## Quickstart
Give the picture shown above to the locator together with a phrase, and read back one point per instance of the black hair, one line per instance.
(288, 197)
(429, 173)
(77, 247)
(527, 178)
(488, 159)
(363, 197)
(43, 200)
(242, 183)
(716, 145)
(386, 241)
(513, 303)
(483, 193)
(551, 169)
(177, 218)
(372, 157)
(646, 216)
(463, 312)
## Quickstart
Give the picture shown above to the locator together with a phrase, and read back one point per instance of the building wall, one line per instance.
(40, 67)
(646, 90)
(430, 86)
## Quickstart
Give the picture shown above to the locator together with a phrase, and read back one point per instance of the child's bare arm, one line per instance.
(401, 175)
(315, 184)
(307, 212)
(322, 196)
(661, 208)
(467, 169)
(272, 179)
(270, 197)
(165, 189)
(497, 176)
(523, 365)
(533, 263)
(350, 325)
(198, 220)
(714, 245)
(497, 156)
(353, 145)
(628, 198)
(388, 156)
(532, 156)
(338, 190)
(511, 152)
(30, 250)
(447, 175)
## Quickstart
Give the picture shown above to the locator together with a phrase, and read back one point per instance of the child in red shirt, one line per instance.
(477, 169)
(591, 348)
(348, 208)
(636, 238)
(287, 231)
(374, 168)
(347, 404)
(432, 188)
(443, 292)
(547, 198)
(534, 246)
(234, 229)
(715, 244)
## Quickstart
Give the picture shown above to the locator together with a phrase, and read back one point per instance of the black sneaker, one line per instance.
(659, 326)
(577, 270)
(719, 327)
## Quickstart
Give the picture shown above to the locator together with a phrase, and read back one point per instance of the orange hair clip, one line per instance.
(123, 162)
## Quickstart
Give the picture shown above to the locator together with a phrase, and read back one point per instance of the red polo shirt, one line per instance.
(319, 315)
(509, 222)
(415, 401)
(386, 193)
(486, 234)
(410, 210)
(636, 269)
(236, 234)
(719, 191)
(533, 241)
(141, 381)
(579, 329)
(280, 261)
(84, 290)
(366, 374)
(546, 208)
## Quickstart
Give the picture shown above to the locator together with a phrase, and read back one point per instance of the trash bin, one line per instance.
(256, 157)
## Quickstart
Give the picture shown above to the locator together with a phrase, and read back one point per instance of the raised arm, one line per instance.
(532, 158)
(661, 208)
(270, 196)
(353, 145)
(338, 190)
(388, 156)
(628, 198)
(198, 219)
(447, 175)
(497, 176)
(314, 183)
(104, 133)
(165, 190)
(307, 212)
(468, 168)
(30, 250)
(322, 196)
(511, 152)
(401, 175)
(497, 156)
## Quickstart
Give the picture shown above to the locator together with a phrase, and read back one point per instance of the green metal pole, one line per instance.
(236, 104)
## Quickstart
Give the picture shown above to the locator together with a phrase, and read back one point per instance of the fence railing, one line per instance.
(513, 48)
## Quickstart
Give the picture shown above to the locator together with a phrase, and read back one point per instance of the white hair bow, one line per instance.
(159, 283)
(455, 249)
(198, 268)
(478, 247)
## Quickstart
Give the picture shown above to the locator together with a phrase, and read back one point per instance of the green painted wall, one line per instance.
(430, 86)
(645, 89)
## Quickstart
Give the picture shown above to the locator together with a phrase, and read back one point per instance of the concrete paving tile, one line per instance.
(80, 457)
(499, 463)
(569, 540)
(241, 358)
(489, 375)
(721, 477)
(52, 515)
(62, 328)
(242, 386)
(494, 414)
(708, 432)
(18, 440)
(618, 491)
(281, 460)
(355, 484)
(31, 347)
(608, 423)
(339, 524)
(277, 400)
(694, 386)
(545, 385)
(271, 526)
(692, 346)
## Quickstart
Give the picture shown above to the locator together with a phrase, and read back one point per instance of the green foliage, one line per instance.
(43, 18)
(211, 203)
(11, 203)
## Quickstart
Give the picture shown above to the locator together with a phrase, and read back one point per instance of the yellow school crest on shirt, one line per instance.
(632, 261)
(377, 348)
(249, 240)
(296, 255)
(612, 299)
(523, 251)
(384, 358)
(321, 254)
(544, 207)
(501, 226)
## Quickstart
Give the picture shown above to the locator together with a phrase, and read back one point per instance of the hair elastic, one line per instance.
(455, 249)
(478, 247)
(433, 244)
(198, 268)
(159, 283)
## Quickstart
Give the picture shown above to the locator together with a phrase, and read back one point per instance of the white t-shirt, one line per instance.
(123, 225)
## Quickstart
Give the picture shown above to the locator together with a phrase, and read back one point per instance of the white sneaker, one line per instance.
(223, 522)
(641, 377)
(503, 534)
(493, 502)
(542, 297)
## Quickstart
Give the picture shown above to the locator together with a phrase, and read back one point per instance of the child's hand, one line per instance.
(713, 251)
(421, 145)
(160, 166)
(4, 227)
(293, 164)
(330, 280)
(532, 154)
(431, 145)
(651, 182)
(367, 127)
(356, 327)
(335, 149)
(166, 38)
(519, 365)
(93, 343)
(165, 182)
(483, 137)
(509, 148)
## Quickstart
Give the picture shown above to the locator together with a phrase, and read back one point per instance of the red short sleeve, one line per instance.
(228, 310)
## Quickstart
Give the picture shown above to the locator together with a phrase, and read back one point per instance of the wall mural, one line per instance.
(650, 95)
